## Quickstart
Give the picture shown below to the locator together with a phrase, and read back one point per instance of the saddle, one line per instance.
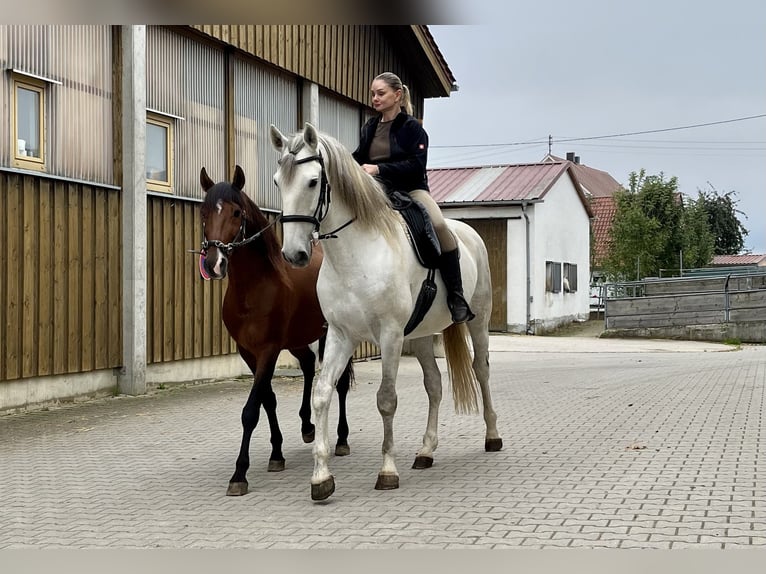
(425, 243)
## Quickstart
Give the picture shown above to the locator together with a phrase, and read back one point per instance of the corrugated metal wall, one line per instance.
(60, 289)
(79, 110)
(340, 118)
(262, 96)
(185, 78)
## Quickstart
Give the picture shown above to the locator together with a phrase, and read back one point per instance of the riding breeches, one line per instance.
(446, 239)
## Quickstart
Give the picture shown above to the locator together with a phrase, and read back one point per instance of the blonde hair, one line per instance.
(395, 83)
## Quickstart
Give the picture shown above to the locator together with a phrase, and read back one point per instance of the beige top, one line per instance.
(380, 146)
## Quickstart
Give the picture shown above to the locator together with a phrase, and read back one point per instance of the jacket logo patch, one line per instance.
(421, 146)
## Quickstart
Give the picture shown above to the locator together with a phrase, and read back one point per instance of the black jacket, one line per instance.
(405, 170)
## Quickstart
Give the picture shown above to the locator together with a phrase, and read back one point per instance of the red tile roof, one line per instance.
(499, 184)
(749, 259)
(604, 209)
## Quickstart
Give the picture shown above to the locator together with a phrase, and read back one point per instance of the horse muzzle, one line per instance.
(216, 264)
(299, 258)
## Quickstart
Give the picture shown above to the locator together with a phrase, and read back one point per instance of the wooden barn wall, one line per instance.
(343, 59)
(495, 235)
(183, 310)
(60, 295)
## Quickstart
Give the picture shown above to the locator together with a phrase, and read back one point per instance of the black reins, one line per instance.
(229, 247)
(323, 204)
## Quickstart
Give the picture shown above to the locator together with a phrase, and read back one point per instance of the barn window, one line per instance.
(570, 277)
(553, 277)
(159, 152)
(28, 111)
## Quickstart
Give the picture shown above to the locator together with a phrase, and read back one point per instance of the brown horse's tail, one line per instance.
(465, 387)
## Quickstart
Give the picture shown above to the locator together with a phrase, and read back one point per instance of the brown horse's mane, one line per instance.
(267, 244)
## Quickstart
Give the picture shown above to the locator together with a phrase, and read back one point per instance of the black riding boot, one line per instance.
(449, 265)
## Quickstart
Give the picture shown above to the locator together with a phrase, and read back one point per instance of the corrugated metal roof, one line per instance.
(499, 184)
(749, 259)
(596, 182)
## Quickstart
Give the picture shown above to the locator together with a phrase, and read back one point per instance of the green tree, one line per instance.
(697, 237)
(728, 232)
(648, 227)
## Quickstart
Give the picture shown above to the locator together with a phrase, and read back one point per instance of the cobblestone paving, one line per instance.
(608, 444)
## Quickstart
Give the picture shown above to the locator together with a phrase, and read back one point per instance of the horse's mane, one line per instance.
(267, 243)
(360, 192)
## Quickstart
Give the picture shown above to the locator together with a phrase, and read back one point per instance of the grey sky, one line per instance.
(586, 68)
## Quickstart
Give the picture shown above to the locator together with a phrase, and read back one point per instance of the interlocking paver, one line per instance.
(608, 444)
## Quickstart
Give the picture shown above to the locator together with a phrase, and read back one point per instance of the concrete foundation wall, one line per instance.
(753, 332)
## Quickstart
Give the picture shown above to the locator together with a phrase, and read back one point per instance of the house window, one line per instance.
(552, 277)
(28, 136)
(159, 152)
(570, 278)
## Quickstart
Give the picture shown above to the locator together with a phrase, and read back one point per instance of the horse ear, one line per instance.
(204, 180)
(278, 141)
(239, 178)
(310, 136)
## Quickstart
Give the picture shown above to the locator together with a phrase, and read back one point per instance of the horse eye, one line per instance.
(313, 182)
(237, 213)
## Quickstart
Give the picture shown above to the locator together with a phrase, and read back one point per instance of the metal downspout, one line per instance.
(529, 271)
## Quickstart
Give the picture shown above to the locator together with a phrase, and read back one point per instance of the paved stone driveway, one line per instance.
(608, 443)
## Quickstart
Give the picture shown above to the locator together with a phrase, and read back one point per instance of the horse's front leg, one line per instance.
(263, 369)
(337, 354)
(390, 353)
(423, 349)
(342, 447)
(307, 361)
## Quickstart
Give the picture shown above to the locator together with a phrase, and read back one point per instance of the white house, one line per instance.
(535, 221)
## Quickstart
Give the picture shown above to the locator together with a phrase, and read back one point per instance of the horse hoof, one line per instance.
(237, 489)
(423, 462)
(387, 482)
(276, 465)
(342, 450)
(308, 437)
(323, 490)
(493, 444)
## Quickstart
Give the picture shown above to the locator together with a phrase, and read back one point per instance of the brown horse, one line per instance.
(268, 307)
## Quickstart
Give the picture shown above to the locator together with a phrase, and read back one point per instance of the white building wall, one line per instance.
(561, 234)
(517, 271)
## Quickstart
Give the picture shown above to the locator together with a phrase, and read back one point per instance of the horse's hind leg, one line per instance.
(423, 348)
(479, 329)
(307, 361)
(391, 353)
(263, 370)
(342, 447)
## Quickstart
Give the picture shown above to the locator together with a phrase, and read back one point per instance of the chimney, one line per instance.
(577, 159)
(570, 156)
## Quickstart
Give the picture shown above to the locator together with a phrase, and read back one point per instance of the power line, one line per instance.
(624, 134)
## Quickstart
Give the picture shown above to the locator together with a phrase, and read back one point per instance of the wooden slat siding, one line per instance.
(155, 276)
(100, 283)
(4, 227)
(74, 280)
(60, 242)
(114, 277)
(87, 294)
(13, 278)
(46, 239)
(48, 320)
(169, 260)
(182, 262)
(28, 270)
(190, 277)
(494, 234)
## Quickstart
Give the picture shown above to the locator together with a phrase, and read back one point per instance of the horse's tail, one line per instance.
(465, 388)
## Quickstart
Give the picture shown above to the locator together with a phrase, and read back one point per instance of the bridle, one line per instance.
(229, 247)
(323, 204)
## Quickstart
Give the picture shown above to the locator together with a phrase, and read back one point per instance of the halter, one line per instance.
(229, 247)
(323, 204)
